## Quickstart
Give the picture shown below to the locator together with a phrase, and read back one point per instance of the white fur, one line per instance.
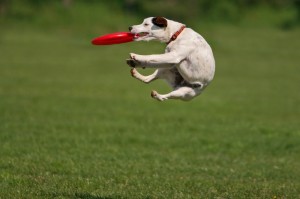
(188, 63)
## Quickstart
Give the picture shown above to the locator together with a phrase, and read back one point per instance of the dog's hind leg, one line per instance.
(183, 93)
(145, 79)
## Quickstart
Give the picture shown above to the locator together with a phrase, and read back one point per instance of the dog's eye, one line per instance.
(146, 24)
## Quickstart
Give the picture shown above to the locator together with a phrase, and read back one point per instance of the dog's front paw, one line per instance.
(131, 62)
(133, 72)
(134, 60)
(133, 56)
(137, 58)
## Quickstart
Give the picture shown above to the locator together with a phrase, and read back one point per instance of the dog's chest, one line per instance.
(167, 50)
(170, 48)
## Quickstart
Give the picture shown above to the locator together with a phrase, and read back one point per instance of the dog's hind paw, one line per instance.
(154, 94)
(157, 96)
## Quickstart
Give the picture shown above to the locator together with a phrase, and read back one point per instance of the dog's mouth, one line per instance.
(141, 34)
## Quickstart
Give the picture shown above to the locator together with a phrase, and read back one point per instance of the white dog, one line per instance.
(188, 63)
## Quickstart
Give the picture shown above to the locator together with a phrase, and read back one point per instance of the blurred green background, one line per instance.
(91, 14)
(75, 124)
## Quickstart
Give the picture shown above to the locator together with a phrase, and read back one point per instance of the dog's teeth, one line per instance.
(141, 34)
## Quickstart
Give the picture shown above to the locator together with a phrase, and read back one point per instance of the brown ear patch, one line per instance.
(160, 22)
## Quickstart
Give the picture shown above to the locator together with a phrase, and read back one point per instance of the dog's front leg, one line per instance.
(163, 60)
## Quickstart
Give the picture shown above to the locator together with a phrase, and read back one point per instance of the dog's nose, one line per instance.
(130, 28)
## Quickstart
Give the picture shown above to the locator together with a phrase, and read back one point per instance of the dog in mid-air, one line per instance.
(188, 63)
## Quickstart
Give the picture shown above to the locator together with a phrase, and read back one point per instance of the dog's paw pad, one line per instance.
(130, 62)
(133, 72)
(154, 94)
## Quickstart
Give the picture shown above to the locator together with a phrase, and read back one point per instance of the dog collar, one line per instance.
(176, 34)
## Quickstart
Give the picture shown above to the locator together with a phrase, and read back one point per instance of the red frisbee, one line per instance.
(113, 38)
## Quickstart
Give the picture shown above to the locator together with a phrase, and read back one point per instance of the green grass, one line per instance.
(74, 124)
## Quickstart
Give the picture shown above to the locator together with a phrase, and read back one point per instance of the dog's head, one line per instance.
(151, 28)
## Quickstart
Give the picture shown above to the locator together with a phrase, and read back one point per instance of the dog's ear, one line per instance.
(160, 22)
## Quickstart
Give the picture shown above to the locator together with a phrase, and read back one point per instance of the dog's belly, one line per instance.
(197, 67)
(175, 79)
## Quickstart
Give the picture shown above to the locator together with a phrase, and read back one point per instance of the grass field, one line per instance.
(75, 124)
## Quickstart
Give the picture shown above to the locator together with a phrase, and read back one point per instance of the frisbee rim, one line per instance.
(113, 38)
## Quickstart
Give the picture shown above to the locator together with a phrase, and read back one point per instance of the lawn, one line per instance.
(75, 124)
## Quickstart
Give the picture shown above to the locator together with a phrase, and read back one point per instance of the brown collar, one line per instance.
(176, 34)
